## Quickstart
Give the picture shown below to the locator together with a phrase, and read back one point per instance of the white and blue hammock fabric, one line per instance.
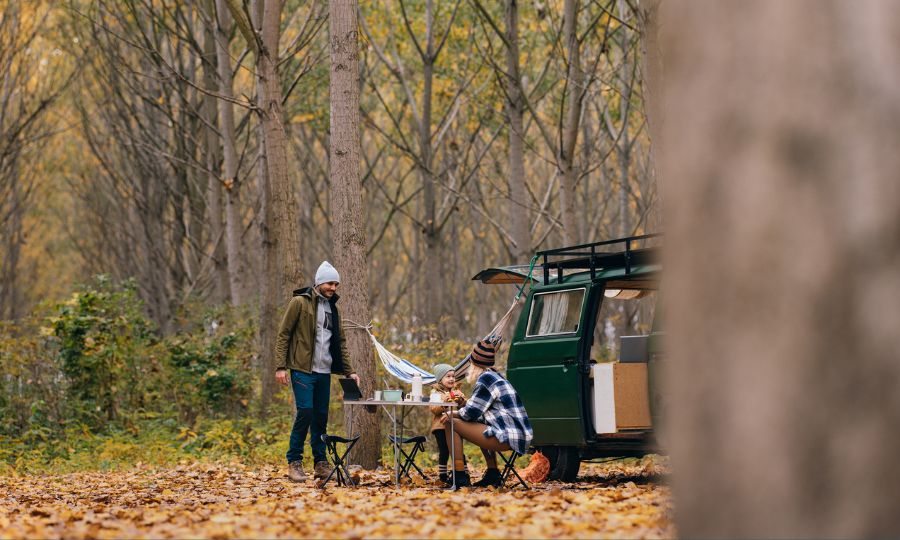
(405, 370)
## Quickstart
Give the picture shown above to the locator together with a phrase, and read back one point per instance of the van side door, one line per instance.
(543, 363)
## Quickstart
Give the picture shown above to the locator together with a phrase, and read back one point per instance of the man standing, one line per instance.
(309, 348)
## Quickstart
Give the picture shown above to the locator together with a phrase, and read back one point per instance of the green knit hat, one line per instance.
(440, 370)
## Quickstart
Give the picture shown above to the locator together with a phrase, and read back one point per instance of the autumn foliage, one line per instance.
(204, 500)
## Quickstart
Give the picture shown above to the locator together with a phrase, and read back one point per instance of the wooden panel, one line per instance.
(631, 396)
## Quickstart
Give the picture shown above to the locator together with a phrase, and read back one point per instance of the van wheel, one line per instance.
(564, 462)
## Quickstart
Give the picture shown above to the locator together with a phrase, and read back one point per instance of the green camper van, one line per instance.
(581, 405)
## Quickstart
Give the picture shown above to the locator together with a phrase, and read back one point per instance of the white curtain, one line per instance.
(553, 314)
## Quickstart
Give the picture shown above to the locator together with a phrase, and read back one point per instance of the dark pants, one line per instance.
(440, 437)
(312, 392)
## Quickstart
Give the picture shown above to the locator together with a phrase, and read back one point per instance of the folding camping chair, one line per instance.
(337, 459)
(509, 460)
(418, 443)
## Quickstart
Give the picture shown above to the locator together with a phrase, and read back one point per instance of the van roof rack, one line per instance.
(598, 255)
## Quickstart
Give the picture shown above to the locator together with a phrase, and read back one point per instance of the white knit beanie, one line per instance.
(326, 273)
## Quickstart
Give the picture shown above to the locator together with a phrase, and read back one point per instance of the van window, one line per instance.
(555, 313)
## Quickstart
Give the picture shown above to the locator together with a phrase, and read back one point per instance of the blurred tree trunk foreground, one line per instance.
(780, 171)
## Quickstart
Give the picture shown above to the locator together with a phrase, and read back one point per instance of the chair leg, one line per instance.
(510, 467)
(412, 460)
(339, 470)
(343, 467)
(404, 467)
(331, 448)
(409, 462)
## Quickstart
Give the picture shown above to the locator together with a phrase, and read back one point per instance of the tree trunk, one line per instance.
(233, 221)
(515, 109)
(569, 135)
(431, 294)
(783, 262)
(349, 222)
(651, 86)
(222, 292)
(279, 234)
(284, 208)
(624, 143)
(269, 284)
(268, 290)
(10, 286)
(588, 145)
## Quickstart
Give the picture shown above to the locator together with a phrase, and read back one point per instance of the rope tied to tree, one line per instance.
(353, 325)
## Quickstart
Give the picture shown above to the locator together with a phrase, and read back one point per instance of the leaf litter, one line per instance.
(230, 500)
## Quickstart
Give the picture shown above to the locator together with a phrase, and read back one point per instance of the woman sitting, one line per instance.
(493, 418)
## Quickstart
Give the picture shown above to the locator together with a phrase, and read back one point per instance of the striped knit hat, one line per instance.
(483, 354)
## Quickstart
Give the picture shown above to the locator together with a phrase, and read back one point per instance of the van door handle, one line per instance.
(568, 361)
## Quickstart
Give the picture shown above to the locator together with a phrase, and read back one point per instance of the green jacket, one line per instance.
(297, 335)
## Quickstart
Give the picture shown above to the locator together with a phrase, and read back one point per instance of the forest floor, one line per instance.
(624, 499)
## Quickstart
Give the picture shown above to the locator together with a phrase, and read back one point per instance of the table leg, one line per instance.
(452, 446)
(396, 452)
(349, 410)
(403, 412)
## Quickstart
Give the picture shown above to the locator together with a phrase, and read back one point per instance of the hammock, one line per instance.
(405, 370)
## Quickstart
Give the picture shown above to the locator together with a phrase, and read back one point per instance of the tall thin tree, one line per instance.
(280, 234)
(349, 220)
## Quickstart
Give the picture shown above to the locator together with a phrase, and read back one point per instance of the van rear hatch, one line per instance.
(516, 273)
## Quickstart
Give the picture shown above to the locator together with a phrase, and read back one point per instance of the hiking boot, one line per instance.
(491, 478)
(462, 480)
(321, 469)
(296, 473)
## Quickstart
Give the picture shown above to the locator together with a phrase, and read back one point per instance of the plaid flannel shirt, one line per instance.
(495, 402)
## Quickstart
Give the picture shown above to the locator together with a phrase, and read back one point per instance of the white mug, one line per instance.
(377, 395)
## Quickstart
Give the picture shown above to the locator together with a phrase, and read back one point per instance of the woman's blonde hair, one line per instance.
(474, 373)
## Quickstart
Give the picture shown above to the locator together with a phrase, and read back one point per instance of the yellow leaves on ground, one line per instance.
(226, 501)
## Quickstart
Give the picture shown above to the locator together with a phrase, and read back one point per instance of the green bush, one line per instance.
(92, 376)
(102, 339)
(210, 375)
(30, 382)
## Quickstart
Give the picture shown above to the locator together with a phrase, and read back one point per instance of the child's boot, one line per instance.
(462, 479)
(460, 475)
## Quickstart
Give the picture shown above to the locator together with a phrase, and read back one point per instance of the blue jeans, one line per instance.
(312, 392)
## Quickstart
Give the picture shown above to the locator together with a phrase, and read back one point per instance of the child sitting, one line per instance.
(445, 385)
